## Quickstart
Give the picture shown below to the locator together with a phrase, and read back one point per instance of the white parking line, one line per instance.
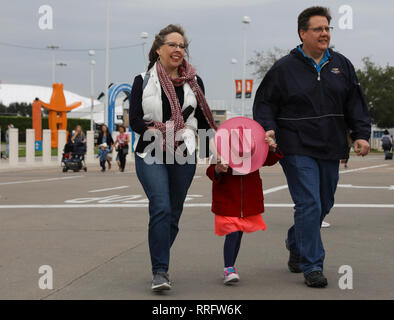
(364, 168)
(39, 180)
(284, 186)
(364, 187)
(271, 190)
(107, 189)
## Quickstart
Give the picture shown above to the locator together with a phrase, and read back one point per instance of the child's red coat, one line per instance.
(239, 195)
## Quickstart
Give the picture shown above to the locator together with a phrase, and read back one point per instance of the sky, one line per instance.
(213, 27)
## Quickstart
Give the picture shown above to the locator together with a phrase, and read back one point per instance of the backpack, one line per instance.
(386, 143)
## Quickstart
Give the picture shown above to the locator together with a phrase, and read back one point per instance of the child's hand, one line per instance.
(271, 143)
(221, 167)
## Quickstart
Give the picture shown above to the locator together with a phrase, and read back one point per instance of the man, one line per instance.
(308, 100)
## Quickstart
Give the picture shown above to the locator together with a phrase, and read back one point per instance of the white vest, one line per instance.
(152, 106)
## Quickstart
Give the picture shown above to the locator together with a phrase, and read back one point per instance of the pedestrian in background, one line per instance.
(105, 137)
(387, 144)
(122, 146)
(7, 140)
(102, 155)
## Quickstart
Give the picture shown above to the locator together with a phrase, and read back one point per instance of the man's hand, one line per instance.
(361, 147)
(270, 139)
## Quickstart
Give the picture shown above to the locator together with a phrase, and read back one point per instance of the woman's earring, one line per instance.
(158, 58)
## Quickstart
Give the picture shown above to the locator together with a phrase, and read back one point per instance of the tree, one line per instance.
(378, 86)
(21, 109)
(263, 60)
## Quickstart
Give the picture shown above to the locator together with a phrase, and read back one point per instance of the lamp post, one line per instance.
(245, 20)
(53, 48)
(144, 36)
(92, 63)
(60, 64)
(106, 66)
(233, 62)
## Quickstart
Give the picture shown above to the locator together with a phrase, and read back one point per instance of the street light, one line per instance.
(233, 62)
(144, 36)
(245, 20)
(53, 48)
(106, 66)
(92, 63)
(61, 64)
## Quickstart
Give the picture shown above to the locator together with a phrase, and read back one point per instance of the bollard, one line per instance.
(30, 148)
(62, 137)
(46, 146)
(13, 146)
(90, 146)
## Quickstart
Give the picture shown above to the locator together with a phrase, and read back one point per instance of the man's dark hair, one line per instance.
(303, 18)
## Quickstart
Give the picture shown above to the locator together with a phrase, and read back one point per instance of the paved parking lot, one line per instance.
(91, 229)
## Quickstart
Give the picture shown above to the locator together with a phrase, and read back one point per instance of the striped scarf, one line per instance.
(187, 74)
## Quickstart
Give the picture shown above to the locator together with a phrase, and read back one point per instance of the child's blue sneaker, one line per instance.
(230, 275)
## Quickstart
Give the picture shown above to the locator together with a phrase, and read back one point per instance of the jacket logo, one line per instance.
(336, 71)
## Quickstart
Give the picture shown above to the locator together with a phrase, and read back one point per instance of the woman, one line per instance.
(169, 95)
(79, 140)
(78, 135)
(122, 146)
(105, 137)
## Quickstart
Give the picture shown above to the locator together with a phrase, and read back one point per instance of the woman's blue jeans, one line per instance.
(166, 187)
(312, 184)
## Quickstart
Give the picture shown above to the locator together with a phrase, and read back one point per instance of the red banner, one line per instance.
(248, 88)
(238, 89)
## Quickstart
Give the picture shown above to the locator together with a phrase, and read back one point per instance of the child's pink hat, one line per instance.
(240, 143)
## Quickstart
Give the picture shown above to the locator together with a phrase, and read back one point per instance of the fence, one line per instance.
(30, 159)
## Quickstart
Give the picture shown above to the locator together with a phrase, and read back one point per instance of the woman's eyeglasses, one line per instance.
(174, 45)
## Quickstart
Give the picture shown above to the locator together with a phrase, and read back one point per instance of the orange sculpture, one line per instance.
(58, 111)
(36, 115)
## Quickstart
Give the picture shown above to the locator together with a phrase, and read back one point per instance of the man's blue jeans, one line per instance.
(312, 184)
(166, 187)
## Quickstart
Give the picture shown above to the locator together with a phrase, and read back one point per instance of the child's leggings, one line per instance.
(231, 248)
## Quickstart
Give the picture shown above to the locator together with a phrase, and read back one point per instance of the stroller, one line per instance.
(74, 156)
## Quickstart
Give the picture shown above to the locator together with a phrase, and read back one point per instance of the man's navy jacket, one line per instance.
(311, 111)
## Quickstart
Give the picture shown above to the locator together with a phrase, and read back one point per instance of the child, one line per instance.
(237, 201)
(103, 152)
